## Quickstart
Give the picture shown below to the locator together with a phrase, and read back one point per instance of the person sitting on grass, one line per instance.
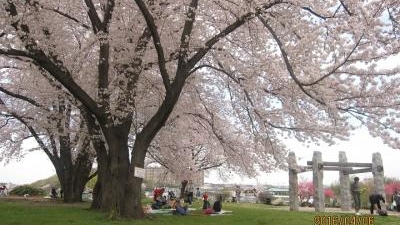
(158, 198)
(171, 203)
(217, 207)
(179, 209)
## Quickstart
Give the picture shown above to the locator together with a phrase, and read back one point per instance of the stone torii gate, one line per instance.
(345, 169)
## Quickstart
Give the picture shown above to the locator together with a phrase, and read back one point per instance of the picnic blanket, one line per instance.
(169, 212)
(222, 213)
(164, 211)
(159, 211)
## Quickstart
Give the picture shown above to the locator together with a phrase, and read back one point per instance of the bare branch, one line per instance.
(157, 42)
(22, 97)
(15, 52)
(187, 30)
(108, 15)
(345, 8)
(308, 9)
(66, 15)
(94, 17)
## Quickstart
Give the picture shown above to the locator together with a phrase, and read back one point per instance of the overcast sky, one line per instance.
(359, 148)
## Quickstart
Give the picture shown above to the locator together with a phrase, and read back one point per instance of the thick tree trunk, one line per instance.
(118, 191)
(133, 202)
(73, 178)
(112, 192)
(102, 198)
(96, 203)
(74, 188)
(73, 174)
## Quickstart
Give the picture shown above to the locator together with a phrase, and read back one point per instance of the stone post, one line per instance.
(319, 198)
(345, 196)
(377, 172)
(293, 183)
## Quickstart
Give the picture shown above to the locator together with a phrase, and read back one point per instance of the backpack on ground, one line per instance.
(382, 212)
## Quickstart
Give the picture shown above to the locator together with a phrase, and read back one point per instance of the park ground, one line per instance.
(39, 211)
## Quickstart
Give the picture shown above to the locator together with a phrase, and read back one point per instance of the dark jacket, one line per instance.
(375, 198)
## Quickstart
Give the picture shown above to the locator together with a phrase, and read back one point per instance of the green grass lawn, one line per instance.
(43, 213)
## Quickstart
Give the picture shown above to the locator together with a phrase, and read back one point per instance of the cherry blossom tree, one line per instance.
(329, 194)
(392, 188)
(258, 71)
(305, 191)
(55, 125)
(195, 137)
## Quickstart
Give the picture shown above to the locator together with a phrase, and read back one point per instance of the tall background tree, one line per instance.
(265, 70)
(54, 123)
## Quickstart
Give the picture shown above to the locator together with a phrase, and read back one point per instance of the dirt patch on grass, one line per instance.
(28, 198)
(42, 201)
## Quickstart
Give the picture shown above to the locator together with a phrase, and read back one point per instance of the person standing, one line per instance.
(183, 189)
(206, 203)
(237, 193)
(3, 190)
(53, 192)
(396, 201)
(189, 192)
(355, 192)
(198, 194)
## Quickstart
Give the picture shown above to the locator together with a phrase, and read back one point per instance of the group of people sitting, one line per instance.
(159, 199)
(396, 201)
(172, 202)
(3, 190)
(216, 208)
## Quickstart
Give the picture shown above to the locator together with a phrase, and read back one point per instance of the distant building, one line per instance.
(160, 176)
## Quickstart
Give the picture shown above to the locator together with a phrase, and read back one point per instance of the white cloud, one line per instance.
(33, 167)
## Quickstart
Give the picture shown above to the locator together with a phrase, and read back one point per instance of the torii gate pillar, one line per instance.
(293, 183)
(377, 172)
(345, 197)
(319, 197)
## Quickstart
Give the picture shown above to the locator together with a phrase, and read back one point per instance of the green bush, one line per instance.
(27, 189)
(265, 197)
